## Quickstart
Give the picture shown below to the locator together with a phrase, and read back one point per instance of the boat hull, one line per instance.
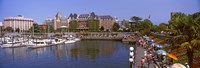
(70, 41)
(12, 45)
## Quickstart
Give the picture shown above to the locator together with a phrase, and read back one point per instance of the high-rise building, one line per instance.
(18, 22)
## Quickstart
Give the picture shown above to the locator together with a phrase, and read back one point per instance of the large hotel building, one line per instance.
(18, 22)
(59, 21)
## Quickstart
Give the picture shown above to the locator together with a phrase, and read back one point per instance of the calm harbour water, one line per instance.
(82, 54)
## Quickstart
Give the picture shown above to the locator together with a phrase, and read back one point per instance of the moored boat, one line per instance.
(37, 43)
(70, 41)
(9, 43)
(77, 39)
(57, 41)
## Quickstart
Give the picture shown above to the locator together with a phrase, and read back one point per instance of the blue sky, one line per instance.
(39, 10)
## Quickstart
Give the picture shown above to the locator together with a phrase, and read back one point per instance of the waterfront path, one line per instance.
(139, 55)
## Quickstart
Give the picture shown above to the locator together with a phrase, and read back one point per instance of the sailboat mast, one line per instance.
(48, 29)
(12, 40)
(33, 31)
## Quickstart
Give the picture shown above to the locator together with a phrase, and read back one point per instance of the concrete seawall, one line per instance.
(129, 38)
(102, 38)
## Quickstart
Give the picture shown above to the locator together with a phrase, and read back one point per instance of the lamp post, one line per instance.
(131, 59)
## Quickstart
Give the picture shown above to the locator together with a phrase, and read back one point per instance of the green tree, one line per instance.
(93, 25)
(59, 30)
(51, 29)
(73, 25)
(160, 27)
(145, 32)
(42, 29)
(155, 28)
(9, 29)
(145, 27)
(102, 28)
(163, 27)
(135, 21)
(146, 24)
(187, 30)
(177, 14)
(35, 27)
(115, 27)
(17, 30)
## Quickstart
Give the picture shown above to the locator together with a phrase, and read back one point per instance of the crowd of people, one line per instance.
(150, 54)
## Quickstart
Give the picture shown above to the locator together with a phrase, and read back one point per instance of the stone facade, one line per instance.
(107, 22)
(58, 21)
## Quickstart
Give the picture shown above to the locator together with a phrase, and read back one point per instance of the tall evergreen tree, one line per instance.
(115, 27)
(73, 25)
(93, 25)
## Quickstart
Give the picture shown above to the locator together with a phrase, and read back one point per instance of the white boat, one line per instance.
(58, 41)
(27, 43)
(77, 39)
(70, 41)
(11, 43)
(37, 43)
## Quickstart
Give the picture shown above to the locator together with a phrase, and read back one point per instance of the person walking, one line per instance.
(142, 62)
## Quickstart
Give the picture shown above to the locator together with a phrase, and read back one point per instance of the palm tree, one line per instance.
(187, 32)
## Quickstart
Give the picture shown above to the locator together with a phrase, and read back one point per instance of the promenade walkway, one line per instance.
(139, 55)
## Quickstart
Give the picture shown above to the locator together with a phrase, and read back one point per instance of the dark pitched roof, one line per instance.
(58, 15)
(92, 15)
(84, 15)
(73, 15)
(106, 17)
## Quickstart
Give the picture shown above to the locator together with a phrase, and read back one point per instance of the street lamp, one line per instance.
(131, 54)
(131, 48)
(131, 59)
(131, 62)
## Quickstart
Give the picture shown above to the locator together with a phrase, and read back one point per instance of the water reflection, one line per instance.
(80, 53)
(14, 54)
(91, 53)
(92, 50)
(59, 51)
(38, 51)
